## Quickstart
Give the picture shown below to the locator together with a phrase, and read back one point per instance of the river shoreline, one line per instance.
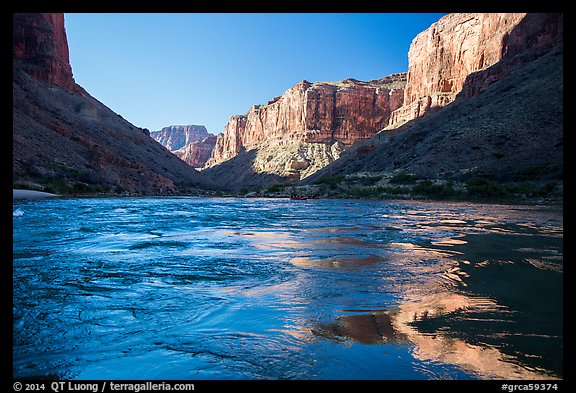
(19, 194)
(31, 194)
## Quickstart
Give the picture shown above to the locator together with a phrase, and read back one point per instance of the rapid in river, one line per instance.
(230, 288)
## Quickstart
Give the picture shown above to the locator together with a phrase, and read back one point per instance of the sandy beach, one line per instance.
(29, 194)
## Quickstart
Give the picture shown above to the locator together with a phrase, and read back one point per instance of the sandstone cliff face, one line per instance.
(196, 154)
(177, 136)
(535, 35)
(229, 143)
(66, 141)
(443, 56)
(322, 112)
(270, 163)
(40, 47)
(350, 110)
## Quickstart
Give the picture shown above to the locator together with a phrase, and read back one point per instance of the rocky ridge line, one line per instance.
(332, 113)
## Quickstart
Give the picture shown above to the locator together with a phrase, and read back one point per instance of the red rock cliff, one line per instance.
(322, 112)
(535, 35)
(442, 57)
(229, 143)
(40, 45)
(197, 153)
(177, 136)
(72, 143)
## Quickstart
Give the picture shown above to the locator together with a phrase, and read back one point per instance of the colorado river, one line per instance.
(208, 288)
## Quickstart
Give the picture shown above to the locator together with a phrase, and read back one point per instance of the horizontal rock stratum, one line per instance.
(321, 112)
(442, 57)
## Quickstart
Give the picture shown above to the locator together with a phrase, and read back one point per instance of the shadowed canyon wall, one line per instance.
(442, 57)
(66, 141)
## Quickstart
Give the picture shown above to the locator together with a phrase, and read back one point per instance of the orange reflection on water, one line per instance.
(371, 328)
(264, 240)
(434, 290)
(395, 326)
(486, 360)
(339, 261)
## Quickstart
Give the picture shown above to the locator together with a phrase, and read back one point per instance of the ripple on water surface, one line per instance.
(197, 288)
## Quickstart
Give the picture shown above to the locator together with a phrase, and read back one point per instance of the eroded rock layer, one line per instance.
(177, 136)
(442, 57)
(321, 112)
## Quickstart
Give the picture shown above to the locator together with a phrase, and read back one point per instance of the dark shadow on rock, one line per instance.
(534, 36)
(238, 174)
(540, 31)
(506, 120)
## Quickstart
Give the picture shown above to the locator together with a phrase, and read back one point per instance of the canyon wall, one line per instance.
(535, 35)
(64, 140)
(197, 153)
(442, 57)
(504, 124)
(229, 143)
(40, 47)
(321, 112)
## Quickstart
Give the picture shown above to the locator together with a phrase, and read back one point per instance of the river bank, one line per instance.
(31, 194)
(517, 200)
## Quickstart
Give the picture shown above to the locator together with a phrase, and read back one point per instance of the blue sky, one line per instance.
(163, 69)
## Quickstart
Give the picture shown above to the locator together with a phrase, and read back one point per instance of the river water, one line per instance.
(208, 288)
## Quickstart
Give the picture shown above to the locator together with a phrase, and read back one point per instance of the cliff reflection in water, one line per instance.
(371, 328)
(378, 328)
(467, 313)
